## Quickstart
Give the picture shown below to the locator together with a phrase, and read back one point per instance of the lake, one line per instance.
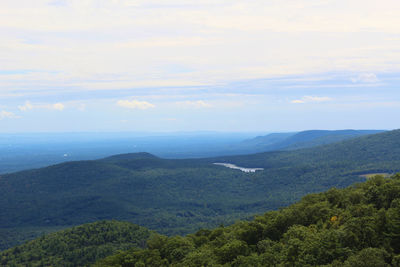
(243, 169)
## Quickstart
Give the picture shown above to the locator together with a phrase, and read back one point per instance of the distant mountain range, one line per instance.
(27, 151)
(178, 196)
(298, 140)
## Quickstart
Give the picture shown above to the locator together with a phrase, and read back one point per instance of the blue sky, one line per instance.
(131, 65)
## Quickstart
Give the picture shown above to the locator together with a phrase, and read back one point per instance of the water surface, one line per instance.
(243, 169)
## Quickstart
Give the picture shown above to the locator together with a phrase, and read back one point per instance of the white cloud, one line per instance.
(135, 104)
(29, 106)
(8, 115)
(365, 78)
(194, 104)
(58, 106)
(311, 99)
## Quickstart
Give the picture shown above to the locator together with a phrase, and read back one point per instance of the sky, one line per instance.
(220, 65)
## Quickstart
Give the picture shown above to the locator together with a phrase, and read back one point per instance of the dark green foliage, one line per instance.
(78, 246)
(369, 257)
(393, 224)
(341, 227)
(10, 237)
(182, 196)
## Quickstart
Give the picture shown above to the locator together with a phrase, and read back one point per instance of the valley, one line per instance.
(339, 227)
(179, 196)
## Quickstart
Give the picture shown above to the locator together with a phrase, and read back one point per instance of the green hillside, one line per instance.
(78, 246)
(304, 139)
(375, 152)
(313, 138)
(262, 143)
(181, 196)
(356, 226)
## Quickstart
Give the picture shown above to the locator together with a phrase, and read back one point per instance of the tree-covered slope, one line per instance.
(356, 226)
(262, 143)
(304, 139)
(371, 151)
(78, 246)
(314, 138)
(180, 196)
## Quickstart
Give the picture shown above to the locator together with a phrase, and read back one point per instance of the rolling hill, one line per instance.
(348, 227)
(298, 140)
(355, 226)
(180, 196)
(27, 151)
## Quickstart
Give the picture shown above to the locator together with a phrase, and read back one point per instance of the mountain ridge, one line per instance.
(303, 139)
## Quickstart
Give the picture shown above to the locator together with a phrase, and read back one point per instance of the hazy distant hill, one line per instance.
(26, 151)
(264, 142)
(369, 150)
(304, 139)
(179, 196)
(32, 150)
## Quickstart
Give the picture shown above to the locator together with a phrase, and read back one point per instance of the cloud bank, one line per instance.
(311, 99)
(76, 45)
(135, 104)
(29, 106)
(7, 115)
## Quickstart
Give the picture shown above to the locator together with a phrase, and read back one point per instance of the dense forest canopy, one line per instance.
(77, 246)
(356, 226)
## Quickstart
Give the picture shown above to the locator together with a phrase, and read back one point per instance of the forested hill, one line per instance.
(180, 196)
(357, 226)
(304, 139)
(313, 138)
(78, 246)
(370, 150)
